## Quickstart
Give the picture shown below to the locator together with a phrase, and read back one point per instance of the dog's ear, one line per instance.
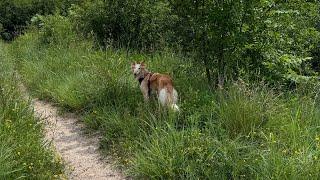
(143, 65)
(133, 65)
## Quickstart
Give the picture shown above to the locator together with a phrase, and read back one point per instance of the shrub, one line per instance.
(55, 29)
(136, 24)
(15, 14)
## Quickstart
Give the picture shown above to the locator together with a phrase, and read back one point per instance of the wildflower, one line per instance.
(317, 138)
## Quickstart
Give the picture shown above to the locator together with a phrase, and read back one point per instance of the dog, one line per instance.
(161, 84)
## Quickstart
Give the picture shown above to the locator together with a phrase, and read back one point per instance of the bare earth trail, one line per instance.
(80, 152)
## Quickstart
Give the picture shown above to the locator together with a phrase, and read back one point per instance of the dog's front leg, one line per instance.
(145, 91)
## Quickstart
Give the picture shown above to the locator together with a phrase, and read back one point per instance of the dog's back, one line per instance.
(163, 85)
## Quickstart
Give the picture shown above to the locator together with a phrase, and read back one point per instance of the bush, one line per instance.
(15, 14)
(136, 24)
(55, 29)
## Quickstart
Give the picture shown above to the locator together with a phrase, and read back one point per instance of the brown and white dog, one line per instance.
(155, 82)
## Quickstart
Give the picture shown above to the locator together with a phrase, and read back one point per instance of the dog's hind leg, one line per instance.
(174, 105)
(174, 96)
(145, 91)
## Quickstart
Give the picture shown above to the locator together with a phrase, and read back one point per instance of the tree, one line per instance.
(214, 30)
(234, 37)
(15, 14)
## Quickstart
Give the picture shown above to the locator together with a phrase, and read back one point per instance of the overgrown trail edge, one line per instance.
(80, 152)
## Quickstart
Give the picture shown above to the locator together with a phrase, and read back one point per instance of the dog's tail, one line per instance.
(174, 100)
(175, 108)
(169, 96)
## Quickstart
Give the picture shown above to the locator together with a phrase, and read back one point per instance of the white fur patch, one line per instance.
(175, 96)
(175, 107)
(163, 96)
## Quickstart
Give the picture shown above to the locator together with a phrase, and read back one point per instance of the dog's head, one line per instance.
(138, 69)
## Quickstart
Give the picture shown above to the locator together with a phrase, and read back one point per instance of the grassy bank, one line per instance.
(242, 132)
(23, 152)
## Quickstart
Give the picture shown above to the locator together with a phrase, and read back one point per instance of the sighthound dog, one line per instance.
(155, 82)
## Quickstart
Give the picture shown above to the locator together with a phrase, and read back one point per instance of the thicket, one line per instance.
(15, 15)
(229, 39)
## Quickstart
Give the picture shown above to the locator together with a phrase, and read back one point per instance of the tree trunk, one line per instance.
(208, 74)
(221, 68)
(203, 45)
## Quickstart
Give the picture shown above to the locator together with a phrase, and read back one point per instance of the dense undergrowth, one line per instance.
(241, 132)
(23, 152)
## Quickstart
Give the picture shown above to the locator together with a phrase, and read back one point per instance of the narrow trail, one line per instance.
(80, 152)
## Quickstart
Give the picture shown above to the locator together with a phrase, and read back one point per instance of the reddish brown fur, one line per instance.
(160, 81)
(155, 81)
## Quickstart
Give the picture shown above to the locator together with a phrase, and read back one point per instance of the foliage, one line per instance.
(236, 38)
(137, 24)
(288, 39)
(231, 39)
(15, 14)
(55, 29)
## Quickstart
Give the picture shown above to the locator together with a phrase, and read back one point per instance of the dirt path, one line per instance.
(80, 152)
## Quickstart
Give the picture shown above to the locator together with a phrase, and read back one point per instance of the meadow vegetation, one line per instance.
(23, 151)
(244, 131)
(262, 123)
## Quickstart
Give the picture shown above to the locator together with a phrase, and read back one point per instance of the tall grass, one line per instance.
(241, 132)
(23, 151)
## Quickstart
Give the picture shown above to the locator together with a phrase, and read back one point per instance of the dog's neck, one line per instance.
(143, 75)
